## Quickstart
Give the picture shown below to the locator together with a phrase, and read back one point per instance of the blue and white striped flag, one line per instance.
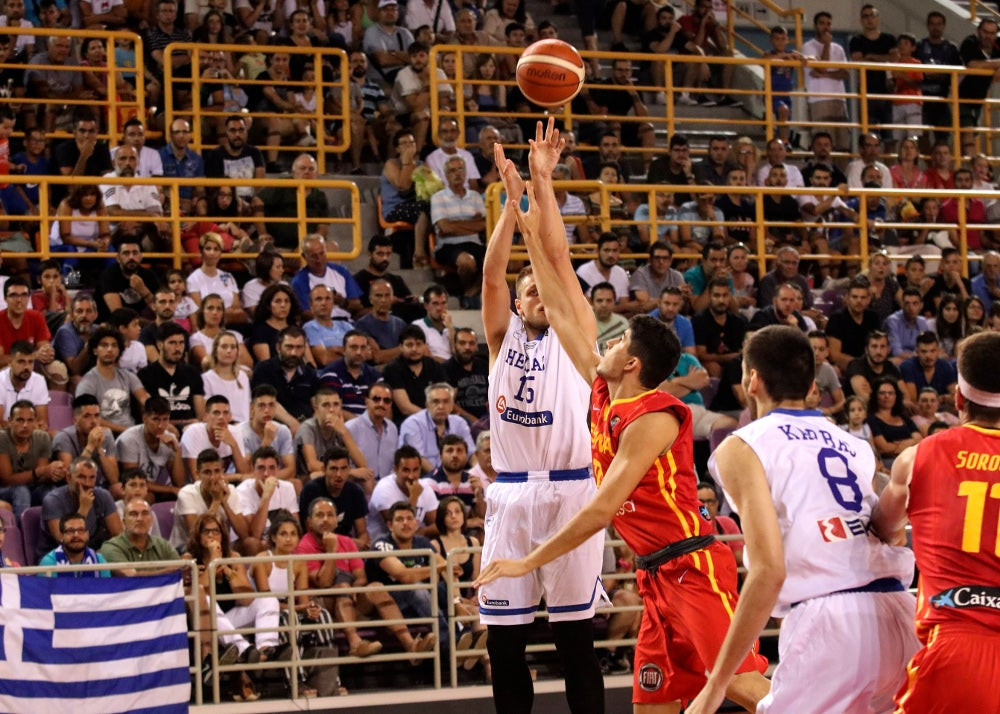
(99, 645)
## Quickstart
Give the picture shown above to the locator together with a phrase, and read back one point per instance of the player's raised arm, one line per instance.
(496, 295)
(567, 310)
(743, 476)
(889, 518)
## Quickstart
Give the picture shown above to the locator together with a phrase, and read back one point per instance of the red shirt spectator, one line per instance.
(310, 546)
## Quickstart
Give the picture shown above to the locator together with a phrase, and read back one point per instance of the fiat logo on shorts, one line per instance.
(650, 677)
(501, 404)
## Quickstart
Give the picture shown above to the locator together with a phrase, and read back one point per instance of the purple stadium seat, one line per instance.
(60, 416)
(718, 436)
(13, 546)
(7, 518)
(61, 398)
(709, 392)
(164, 512)
(31, 525)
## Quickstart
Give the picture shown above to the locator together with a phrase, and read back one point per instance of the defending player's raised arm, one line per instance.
(743, 476)
(889, 515)
(496, 295)
(636, 452)
(566, 308)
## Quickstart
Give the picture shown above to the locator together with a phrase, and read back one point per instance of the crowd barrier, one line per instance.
(760, 247)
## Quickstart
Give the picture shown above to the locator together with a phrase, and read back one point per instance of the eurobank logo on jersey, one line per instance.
(523, 418)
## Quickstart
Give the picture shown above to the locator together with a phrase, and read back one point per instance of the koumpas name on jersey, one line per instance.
(793, 432)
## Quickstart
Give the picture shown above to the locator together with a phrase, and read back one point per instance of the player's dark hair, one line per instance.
(927, 338)
(784, 361)
(335, 453)
(977, 366)
(657, 348)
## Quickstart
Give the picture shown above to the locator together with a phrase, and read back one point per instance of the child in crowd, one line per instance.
(51, 298)
(135, 485)
(908, 83)
(186, 307)
(126, 321)
(783, 81)
(857, 419)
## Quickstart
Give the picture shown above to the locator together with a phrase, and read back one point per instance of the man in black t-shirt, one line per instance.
(411, 373)
(126, 283)
(174, 380)
(468, 372)
(83, 155)
(718, 332)
(864, 371)
(405, 304)
(873, 45)
(234, 158)
(621, 100)
(978, 51)
(848, 328)
(347, 496)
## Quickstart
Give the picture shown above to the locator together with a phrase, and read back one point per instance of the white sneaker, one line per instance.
(686, 100)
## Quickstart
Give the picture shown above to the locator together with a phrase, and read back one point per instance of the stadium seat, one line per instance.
(60, 416)
(61, 398)
(13, 546)
(718, 436)
(7, 518)
(164, 512)
(390, 227)
(709, 392)
(31, 524)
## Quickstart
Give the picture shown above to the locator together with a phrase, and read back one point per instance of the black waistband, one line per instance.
(682, 547)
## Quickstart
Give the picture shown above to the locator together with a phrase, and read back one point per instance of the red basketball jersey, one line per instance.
(664, 507)
(955, 508)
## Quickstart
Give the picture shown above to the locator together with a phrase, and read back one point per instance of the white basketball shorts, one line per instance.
(519, 518)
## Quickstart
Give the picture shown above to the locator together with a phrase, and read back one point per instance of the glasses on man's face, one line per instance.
(75, 531)
(381, 400)
(17, 296)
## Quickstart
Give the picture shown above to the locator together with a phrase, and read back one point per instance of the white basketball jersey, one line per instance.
(539, 404)
(820, 479)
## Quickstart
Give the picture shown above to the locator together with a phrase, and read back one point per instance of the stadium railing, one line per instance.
(337, 90)
(210, 691)
(760, 247)
(117, 110)
(757, 101)
(346, 227)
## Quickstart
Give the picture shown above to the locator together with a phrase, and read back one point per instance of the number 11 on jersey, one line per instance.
(975, 511)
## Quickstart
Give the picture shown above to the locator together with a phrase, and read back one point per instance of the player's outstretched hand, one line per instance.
(512, 181)
(501, 569)
(708, 701)
(546, 150)
(530, 222)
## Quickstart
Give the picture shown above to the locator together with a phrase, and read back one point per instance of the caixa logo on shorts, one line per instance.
(650, 677)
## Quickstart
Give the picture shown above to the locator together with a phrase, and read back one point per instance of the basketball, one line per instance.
(550, 73)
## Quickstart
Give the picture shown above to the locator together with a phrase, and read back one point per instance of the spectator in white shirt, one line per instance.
(20, 381)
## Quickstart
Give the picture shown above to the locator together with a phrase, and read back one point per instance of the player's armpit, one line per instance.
(889, 518)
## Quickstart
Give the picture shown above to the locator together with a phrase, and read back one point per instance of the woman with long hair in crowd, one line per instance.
(268, 269)
(948, 324)
(452, 534)
(209, 541)
(211, 320)
(973, 314)
(284, 535)
(227, 376)
(892, 430)
(278, 308)
(399, 198)
(210, 279)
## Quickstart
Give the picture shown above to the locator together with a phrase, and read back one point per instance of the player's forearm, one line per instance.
(498, 250)
(581, 527)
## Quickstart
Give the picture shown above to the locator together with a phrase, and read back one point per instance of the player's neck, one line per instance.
(625, 388)
(766, 406)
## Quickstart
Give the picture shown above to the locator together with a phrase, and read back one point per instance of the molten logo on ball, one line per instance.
(550, 73)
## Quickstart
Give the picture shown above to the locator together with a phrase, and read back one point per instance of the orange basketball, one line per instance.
(550, 73)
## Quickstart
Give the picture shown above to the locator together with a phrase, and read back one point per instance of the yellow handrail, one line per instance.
(112, 71)
(323, 141)
(177, 254)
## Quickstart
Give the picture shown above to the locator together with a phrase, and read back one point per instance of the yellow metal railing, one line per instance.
(760, 247)
(324, 142)
(672, 122)
(111, 128)
(177, 222)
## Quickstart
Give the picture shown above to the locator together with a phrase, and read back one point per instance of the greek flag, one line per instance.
(99, 645)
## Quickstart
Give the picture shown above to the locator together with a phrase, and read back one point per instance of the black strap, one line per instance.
(664, 555)
(437, 16)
